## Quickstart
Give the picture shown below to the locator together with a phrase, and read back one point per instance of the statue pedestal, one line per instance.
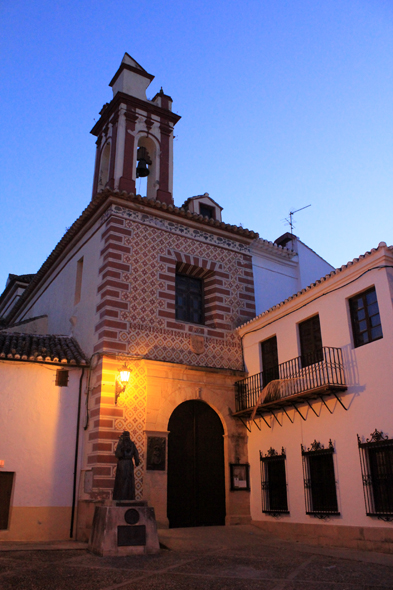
(126, 528)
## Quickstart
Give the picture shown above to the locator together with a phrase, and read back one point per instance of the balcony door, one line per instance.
(269, 360)
(196, 479)
(310, 341)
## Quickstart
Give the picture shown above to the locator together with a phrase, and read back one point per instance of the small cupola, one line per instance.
(204, 205)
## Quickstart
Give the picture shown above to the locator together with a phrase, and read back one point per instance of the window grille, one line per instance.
(319, 481)
(376, 461)
(189, 299)
(366, 323)
(61, 378)
(207, 211)
(273, 482)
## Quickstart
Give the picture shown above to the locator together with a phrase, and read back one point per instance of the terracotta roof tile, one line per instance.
(21, 278)
(42, 348)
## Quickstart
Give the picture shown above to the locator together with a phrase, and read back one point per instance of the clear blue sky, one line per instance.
(284, 103)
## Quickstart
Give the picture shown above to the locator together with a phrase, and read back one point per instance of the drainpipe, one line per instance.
(76, 455)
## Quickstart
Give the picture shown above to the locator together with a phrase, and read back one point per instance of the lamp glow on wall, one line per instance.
(122, 379)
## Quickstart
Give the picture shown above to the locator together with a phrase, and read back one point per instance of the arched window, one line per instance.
(103, 176)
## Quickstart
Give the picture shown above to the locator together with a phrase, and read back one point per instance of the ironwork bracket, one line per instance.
(256, 425)
(298, 411)
(244, 424)
(276, 417)
(323, 401)
(338, 399)
(386, 518)
(264, 419)
(290, 419)
(321, 516)
(311, 408)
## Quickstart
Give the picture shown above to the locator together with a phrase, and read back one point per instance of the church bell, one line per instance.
(143, 160)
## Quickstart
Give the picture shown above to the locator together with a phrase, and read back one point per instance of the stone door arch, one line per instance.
(196, 474)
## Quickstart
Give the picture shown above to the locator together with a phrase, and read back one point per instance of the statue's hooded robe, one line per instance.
(127, 453)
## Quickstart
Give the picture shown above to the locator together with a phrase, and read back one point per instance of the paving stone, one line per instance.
(62, 578)
(240, 567)
(327, 569)
(175, 582)
(215, 558)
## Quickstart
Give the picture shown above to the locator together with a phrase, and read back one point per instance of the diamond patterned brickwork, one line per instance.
(140, 257)
(108, 421)
(133, 404)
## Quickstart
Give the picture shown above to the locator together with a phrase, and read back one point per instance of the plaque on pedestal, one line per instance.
(128, 527)
(124, 529)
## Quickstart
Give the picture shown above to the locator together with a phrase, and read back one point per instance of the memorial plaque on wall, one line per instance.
(156, 453)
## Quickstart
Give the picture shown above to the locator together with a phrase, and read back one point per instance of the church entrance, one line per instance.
(196, 478)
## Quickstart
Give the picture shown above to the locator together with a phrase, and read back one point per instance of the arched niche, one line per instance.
(103, 176)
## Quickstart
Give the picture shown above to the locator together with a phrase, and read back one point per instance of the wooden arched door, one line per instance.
(196, 477)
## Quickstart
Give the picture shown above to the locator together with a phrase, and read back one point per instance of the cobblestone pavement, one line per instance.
(214, 558)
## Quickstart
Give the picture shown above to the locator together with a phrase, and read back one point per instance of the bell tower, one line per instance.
(135, 136)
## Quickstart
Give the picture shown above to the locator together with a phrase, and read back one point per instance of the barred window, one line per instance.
(366, 323)
(189, 299)
(376, 460)
(273, 482)
(61, 378)
(319, 480)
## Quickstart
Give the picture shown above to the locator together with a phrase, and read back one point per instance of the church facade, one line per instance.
(159, 290)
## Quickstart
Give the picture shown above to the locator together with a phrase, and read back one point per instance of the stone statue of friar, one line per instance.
(127, 453)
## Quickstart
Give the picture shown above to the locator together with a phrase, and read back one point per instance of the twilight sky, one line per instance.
(284, 103)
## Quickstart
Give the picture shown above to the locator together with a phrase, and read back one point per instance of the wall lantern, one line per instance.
(122, 379)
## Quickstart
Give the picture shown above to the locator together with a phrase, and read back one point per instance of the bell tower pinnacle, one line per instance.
(135, 136)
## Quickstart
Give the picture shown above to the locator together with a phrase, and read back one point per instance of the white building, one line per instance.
(318, 404)
(41, 390)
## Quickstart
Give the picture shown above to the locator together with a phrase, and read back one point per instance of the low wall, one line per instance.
(364, 538)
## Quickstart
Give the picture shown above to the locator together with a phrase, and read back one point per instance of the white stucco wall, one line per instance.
(311, 265)
(274, 280)
(278, 276)
(38, 432)
(56, 296)
(369, 398)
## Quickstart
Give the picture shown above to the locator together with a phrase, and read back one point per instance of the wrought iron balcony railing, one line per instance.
(296, 379)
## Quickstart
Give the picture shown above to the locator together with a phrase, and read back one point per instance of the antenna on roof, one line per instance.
(291, 214)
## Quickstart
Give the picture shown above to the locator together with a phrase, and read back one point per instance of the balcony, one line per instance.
(292, 383)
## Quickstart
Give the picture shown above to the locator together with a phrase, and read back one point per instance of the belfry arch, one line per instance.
(103, 176)
(151, 145)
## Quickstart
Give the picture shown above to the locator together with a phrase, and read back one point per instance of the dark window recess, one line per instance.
(269, 361)
(366, 323)
(6, 481)
(376, 460)
(189, 299)
(61, 378)
(207, 211)
(310, 341)
(273, 482)
(319, 480)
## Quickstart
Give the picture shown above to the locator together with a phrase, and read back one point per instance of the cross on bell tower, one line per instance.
(134, 132)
